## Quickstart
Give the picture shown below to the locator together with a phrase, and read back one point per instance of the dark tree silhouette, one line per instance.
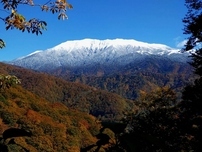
(15, 132)
(191, 118)
(11, 133)
(192, 23)
(193, 27)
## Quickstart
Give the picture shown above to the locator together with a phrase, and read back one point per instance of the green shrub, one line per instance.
(2, 99)
(73, 131)
(35, 107)
(14, 148)
(8, 118)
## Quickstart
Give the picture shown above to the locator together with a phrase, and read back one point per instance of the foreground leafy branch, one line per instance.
(15, 20)
(2, 43)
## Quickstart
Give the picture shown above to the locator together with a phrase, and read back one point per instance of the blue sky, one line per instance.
(152, 21)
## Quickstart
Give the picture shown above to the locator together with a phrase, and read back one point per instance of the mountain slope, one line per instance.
(91, 52)
(137, 65)
(129, 80)
(52, 126)
(73, 95)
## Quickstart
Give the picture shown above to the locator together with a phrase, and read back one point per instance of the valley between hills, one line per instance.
(96, 107)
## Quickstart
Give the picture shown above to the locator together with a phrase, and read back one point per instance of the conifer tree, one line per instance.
(191, 105)
(193, 28)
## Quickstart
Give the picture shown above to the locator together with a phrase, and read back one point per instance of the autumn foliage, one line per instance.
(14, 20)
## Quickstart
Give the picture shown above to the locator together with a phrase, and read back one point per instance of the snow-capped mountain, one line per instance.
(86, 52)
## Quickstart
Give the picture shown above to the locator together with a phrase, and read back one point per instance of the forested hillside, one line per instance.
(73, 95)
(128, 80)
(89, 108)
(52, 126)
(143, 124)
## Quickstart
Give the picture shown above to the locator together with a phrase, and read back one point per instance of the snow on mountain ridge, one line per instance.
(97, 44)
(93, 51)
(35, 52)
(91, 47)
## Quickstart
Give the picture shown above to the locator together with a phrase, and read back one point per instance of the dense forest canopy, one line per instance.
(158, 122)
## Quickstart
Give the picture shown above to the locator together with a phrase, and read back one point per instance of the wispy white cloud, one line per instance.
(179, 43)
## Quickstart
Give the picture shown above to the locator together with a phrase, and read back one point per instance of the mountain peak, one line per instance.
(77, 53)
(96, 44)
